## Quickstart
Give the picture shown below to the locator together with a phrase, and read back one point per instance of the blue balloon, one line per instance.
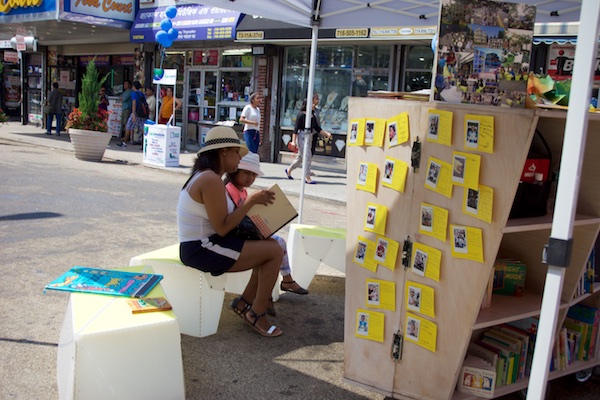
(173, 34)
(160, 36)
(167, 42)
(166, 24)
(171, 11)
(434, 43)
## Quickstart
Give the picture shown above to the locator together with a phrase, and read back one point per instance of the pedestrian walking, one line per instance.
(251, 119)
(54, 108)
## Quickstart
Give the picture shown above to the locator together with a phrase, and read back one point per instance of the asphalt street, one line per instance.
(56, 212)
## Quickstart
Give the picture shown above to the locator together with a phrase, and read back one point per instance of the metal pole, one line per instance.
(307, 125)
(567, 192)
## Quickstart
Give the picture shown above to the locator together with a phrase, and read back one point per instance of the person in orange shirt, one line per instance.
(166, 108)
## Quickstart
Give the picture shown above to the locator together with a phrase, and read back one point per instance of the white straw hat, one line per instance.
(221, 137)
(251, 162)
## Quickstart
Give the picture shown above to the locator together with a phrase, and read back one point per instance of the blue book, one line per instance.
(105, 281)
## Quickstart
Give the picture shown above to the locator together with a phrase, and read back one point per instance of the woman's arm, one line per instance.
(177, 103)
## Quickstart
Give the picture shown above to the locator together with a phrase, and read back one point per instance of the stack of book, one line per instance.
(577, 340)
(589, 277)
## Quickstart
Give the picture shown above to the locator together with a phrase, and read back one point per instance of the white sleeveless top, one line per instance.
(192, 218)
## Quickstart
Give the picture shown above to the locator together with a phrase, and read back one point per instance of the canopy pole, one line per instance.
(307, 125)
(567, 191)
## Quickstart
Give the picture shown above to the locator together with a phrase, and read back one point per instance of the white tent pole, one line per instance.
(307, 125)
(567, 193)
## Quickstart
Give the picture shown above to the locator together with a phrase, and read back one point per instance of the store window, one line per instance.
(418, 68)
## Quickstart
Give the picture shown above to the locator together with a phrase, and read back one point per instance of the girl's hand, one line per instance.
(264, 197)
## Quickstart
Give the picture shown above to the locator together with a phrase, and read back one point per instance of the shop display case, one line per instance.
(34, 87)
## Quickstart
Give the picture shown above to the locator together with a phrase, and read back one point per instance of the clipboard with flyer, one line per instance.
(271, 218)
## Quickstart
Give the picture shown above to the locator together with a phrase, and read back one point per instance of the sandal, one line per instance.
(271, 310)
(241, 312)
(299, 290)
(273, 330)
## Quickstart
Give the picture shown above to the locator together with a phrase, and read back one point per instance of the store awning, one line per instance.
(193, 21)
(555, 39)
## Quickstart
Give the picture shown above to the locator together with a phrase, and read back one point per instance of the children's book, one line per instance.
(149, 304)
(272, 217)
(477, 377)
(509, 277)
(105, 281)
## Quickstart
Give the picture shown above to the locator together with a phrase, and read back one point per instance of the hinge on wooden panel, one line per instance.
(397, 347)
(406, 252)
(415, 157)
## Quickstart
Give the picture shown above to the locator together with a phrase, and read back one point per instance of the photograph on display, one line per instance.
(434, 124)
(381, 250)
(472, 205)
(472, 134)
(458, 168)
(363, 171)
(414, 298)
(392, 134)
(420, 263)
(353, 132)
(363, 324)
(412, 328)
(388, 171)
(460, 239)
(426, 218)
(361, 252)
(373, 294)
(370, 132)
(484, 52)
(433, 174)
(371, 217)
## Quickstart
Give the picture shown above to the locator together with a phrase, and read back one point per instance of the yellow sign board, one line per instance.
(251, 35)
(399, 31)
(352, 33)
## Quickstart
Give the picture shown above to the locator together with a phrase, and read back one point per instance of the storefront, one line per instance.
(350, 62)
(10, 81)
(214, 75)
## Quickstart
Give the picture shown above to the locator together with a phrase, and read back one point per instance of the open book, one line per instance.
(271, 218)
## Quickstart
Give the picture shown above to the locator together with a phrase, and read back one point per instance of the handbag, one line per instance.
(246, 230)
(48, 109)
(292, 148)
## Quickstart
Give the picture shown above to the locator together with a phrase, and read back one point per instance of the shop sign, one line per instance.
(394, 32)
(352, 33)
(7, 6)
(11, 57)
(251, 35)
(5, 44)
(206, 57)
(561, 60)
(164, 76)
(123, 60)
(122, 10)
(99, 61)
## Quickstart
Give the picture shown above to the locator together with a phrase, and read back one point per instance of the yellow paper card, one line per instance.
(367, 177)
(439, 176)
(434, 221)
(465, 169)
(479, 203)
(420, 298)
(376, 218)
(381, 294)
(374, 131)
(479, 133)
(439, 127)
(421, 331)
(426, 261)
(467, 242)
(397, 129)
(364, 253)
(369, 325)
(394, 174)
(386, 252)
(356, 134)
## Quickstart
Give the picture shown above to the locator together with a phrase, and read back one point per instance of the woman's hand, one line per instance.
(264, 197)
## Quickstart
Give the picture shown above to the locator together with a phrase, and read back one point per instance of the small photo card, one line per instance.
(421, 332)
(381, 294)
(439, 127)
(434, 221)
(426, 261)
(479, 133)
(374, 131)
(364, 253)
(433, 174)
(472, 134)
(420, 299)
(376, 218)
(386, 252)
(369, 325)
(439, 177)
(467, 242)
(398, 129)
(465, 169)
(367, 177)
(395, 172)
(356, 133)
(479, 203)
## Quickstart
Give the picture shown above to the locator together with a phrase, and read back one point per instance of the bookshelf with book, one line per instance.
(459, 319)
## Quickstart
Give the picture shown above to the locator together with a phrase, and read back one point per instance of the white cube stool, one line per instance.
(106, 352)
(310, 245)
(196, 297)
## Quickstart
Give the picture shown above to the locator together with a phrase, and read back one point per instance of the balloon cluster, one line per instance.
(167, 34)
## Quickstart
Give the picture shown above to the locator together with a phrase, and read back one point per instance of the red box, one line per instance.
(535, 166)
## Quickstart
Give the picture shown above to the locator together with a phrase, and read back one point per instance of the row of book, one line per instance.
(503, 354)
(590, 276)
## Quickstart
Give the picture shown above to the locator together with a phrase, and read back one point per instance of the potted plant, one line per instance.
(87, 125)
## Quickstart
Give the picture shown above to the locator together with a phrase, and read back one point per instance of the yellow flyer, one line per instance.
(467, 242)
(439, 176)
(356, 135)
(394, 174)
(374, 131)
(376, 218)
(479, 203)
(369, 325)
(465, 169)
(420, 298)
(386, 252)
(426, 261)
(434, 221)
(439, 127)
(479, 133)
(398, 129)
(367, 177)
(364, 253)
(421, 331)
(381, 294)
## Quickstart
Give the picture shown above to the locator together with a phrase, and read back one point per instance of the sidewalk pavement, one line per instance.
(330, 172)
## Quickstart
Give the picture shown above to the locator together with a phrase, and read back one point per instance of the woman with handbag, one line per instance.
(300, 136)
(205, 215)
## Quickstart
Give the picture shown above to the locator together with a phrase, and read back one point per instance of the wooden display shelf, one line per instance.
(545, 222)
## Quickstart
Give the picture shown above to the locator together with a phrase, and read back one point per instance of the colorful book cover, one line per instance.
(501, 365)
(581, 328)
(509, 365)
(272, 217)
(149, 304)
(105, 281)
(515, 345)
(591, 317)
(509, 277)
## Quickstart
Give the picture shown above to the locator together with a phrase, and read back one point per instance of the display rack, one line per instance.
(421, 373)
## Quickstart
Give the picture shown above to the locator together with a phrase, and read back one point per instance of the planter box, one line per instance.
(89, 145)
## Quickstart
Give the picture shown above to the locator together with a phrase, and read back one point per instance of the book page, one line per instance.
(272, 217)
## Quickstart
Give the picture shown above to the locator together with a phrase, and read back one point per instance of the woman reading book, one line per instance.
(205, 215)
(236, 184)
